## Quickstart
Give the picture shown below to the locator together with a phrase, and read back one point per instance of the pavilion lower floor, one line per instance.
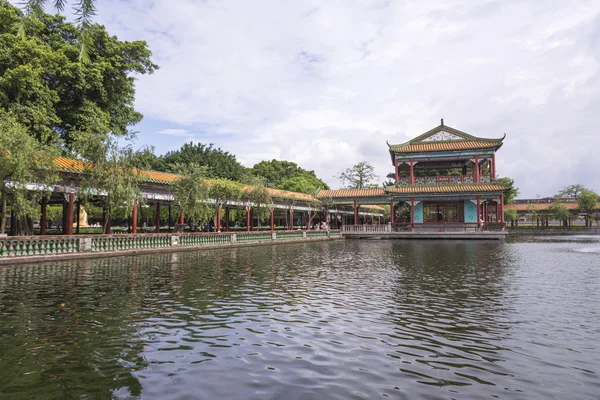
(477, 212)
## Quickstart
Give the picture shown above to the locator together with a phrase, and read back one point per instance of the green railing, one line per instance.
(204, 239)
(130, 242)
(33, 246)
(289, 235)
(313, 234)
(254, 237)
(11, 247)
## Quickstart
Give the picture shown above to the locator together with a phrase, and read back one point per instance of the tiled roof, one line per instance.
(442, 146)
(69, 165)
(461, 141)
(469, 187)
(543, 206)
(348, 193)
(77, 166)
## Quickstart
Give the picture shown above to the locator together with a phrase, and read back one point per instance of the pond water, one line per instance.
(327, 320)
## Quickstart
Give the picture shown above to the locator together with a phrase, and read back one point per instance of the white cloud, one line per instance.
(325, 84)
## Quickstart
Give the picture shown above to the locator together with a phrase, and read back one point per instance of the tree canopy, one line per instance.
(218, 163)
(84, 11)
(60, 100)
(22, 160)
(287, 175)
(360, 176)
(587, 200)
(572, 191)
(511, 191)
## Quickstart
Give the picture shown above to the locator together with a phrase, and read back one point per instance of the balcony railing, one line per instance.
(443, 180)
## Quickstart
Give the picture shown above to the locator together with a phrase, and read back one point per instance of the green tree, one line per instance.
(391, 180)
(218, 163)
(223, 191)
(287, 175)
(258, 194)
(532, 210)
(60, 100)
(300, 184)
(360, 176)
(84, 11)
(113, 178)
(192, 192)
(148, 160)
(23, 161)
(511, 191)
(559, 212)
(510, 215)
(572, 191)
(587, 200)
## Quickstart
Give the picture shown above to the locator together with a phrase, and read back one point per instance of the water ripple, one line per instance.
(335, 320)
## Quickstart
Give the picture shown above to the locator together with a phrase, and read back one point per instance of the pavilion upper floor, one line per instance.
(444, 156)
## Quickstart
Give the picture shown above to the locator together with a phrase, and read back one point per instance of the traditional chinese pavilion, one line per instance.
(447, 177)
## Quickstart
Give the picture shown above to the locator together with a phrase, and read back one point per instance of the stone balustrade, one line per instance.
(15, 247)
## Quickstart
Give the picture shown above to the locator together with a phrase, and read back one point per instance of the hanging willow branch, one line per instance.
(84, 11)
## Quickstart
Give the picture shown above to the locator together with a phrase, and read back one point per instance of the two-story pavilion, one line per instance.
(447, 177)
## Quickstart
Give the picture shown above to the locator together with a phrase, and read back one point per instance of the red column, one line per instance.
(478, 210)
(226, 218)
(218, 218)
(412, 212)
(392, 213)
(43, 221)
(355, 213)
(248, 220)
(412, 172)
(476, 170)
(493, 167)
(157, 217)
(134, 218)
(502, 209)
(272, 220)
(397, 172)
(485, 215)
(69, 228)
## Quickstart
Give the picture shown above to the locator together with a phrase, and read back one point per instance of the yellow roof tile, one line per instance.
(441, 146)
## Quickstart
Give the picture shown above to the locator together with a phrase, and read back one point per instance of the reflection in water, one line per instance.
(350, 319)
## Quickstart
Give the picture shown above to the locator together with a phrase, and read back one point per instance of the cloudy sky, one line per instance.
(326, 83)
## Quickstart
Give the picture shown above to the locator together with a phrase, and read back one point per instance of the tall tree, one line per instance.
(59, 99)
(511, 191)
(510, 215)
(559, 211)
(23, 161)
(533, 211)
(191, 192)
(218, 163)
(572, 191)
(113, 178)
(287, 175)
(85, 9)
(258, 194)
(360, 176)
(587, 200)
(391, 180)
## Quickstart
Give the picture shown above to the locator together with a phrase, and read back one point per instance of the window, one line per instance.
(445, 212)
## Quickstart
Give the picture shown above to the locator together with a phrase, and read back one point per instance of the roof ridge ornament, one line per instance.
(442, 121)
